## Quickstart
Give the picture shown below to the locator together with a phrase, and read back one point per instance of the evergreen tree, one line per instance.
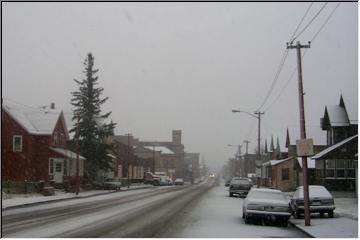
(91, 124)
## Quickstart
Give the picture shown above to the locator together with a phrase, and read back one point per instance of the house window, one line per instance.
(58, 167)
(17, 143)
(285, 173)
(51, 166)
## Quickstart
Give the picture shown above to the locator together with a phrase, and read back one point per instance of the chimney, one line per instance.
(52, 105)
(176, 137)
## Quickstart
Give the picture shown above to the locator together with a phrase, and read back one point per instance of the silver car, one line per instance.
(265, 204)
(320, 201)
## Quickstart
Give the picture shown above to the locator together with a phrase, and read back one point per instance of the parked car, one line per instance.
(239, 186)
(112, 184)
(165, 181)
(268, 204)
(320, 201)
(179, 181)
(227, 182)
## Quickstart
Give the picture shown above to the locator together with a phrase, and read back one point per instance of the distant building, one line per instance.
(152, 156)
(193, 166)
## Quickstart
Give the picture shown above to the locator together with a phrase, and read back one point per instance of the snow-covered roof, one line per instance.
(310, 162)
(337, 116)
(66, 153)
(36, 121)
(333, 147)
(275, 162)
(162, 149)
(110, 155)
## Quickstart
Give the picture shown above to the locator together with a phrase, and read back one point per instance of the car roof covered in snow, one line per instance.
(315, 191)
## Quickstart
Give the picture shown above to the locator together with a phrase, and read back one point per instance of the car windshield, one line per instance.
(267, 195)
(240, 181)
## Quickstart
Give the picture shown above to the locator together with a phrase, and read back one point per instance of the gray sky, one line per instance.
(184, 66)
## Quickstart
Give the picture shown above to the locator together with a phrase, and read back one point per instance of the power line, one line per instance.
(317, 14)
(326, 21)
(282, 61)
(302, 19)
(303, 55)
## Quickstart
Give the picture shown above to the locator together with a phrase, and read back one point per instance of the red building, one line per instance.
(34, 145)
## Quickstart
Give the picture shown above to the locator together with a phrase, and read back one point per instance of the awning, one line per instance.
(66, 153)
(333, 147)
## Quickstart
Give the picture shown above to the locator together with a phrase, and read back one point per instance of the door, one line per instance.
(58, 170)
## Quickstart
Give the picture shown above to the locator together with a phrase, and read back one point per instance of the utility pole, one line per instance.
(154, 159)
(77, 190)
(302, 129)
(259, 162)
(128, 163)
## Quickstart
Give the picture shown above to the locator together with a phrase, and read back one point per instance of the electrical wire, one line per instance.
(282, 61)
(303, 55)
(302, 19)
(326, 21)
(316, 15)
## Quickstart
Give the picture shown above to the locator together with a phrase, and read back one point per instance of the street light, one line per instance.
(257, 115)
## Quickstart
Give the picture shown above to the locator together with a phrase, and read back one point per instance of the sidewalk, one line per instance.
(343, 225)
(17, 200)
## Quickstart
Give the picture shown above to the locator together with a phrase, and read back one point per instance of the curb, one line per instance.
(302, 230)
(71, 198)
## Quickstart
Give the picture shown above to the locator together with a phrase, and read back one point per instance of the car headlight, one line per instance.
(255, 207)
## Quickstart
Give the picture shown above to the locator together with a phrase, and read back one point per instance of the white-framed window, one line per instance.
(17, 143)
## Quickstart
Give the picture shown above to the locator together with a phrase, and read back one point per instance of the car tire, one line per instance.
(284, 223)
(296, 214)
(247, 220)
(231, 194)
(331, 214)
(321, 214)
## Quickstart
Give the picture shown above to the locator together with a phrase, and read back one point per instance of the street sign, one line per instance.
(304, 147)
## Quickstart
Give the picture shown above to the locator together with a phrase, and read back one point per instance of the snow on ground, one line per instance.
(82, 197)
(75, 223)
(216, 215)
(338, 227)
(347, 207)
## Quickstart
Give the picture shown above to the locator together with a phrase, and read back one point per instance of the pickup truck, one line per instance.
(150, 178)
(240, 186)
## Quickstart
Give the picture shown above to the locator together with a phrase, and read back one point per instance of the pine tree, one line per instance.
(91, 124)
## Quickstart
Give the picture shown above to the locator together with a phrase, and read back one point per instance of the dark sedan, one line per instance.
(321, 201)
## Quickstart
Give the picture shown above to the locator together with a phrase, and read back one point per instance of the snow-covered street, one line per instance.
(192, 211)
(137, 213)
(217, 215)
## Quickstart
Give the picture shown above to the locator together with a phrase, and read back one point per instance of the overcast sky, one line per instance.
(185, 66)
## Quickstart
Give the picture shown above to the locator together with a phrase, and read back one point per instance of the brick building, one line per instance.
(34, 145)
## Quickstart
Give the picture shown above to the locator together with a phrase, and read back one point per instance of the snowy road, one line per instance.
(203, 210)
(137, 213)
(216, 215)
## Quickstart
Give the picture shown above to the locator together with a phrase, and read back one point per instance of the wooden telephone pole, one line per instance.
(302, 129)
